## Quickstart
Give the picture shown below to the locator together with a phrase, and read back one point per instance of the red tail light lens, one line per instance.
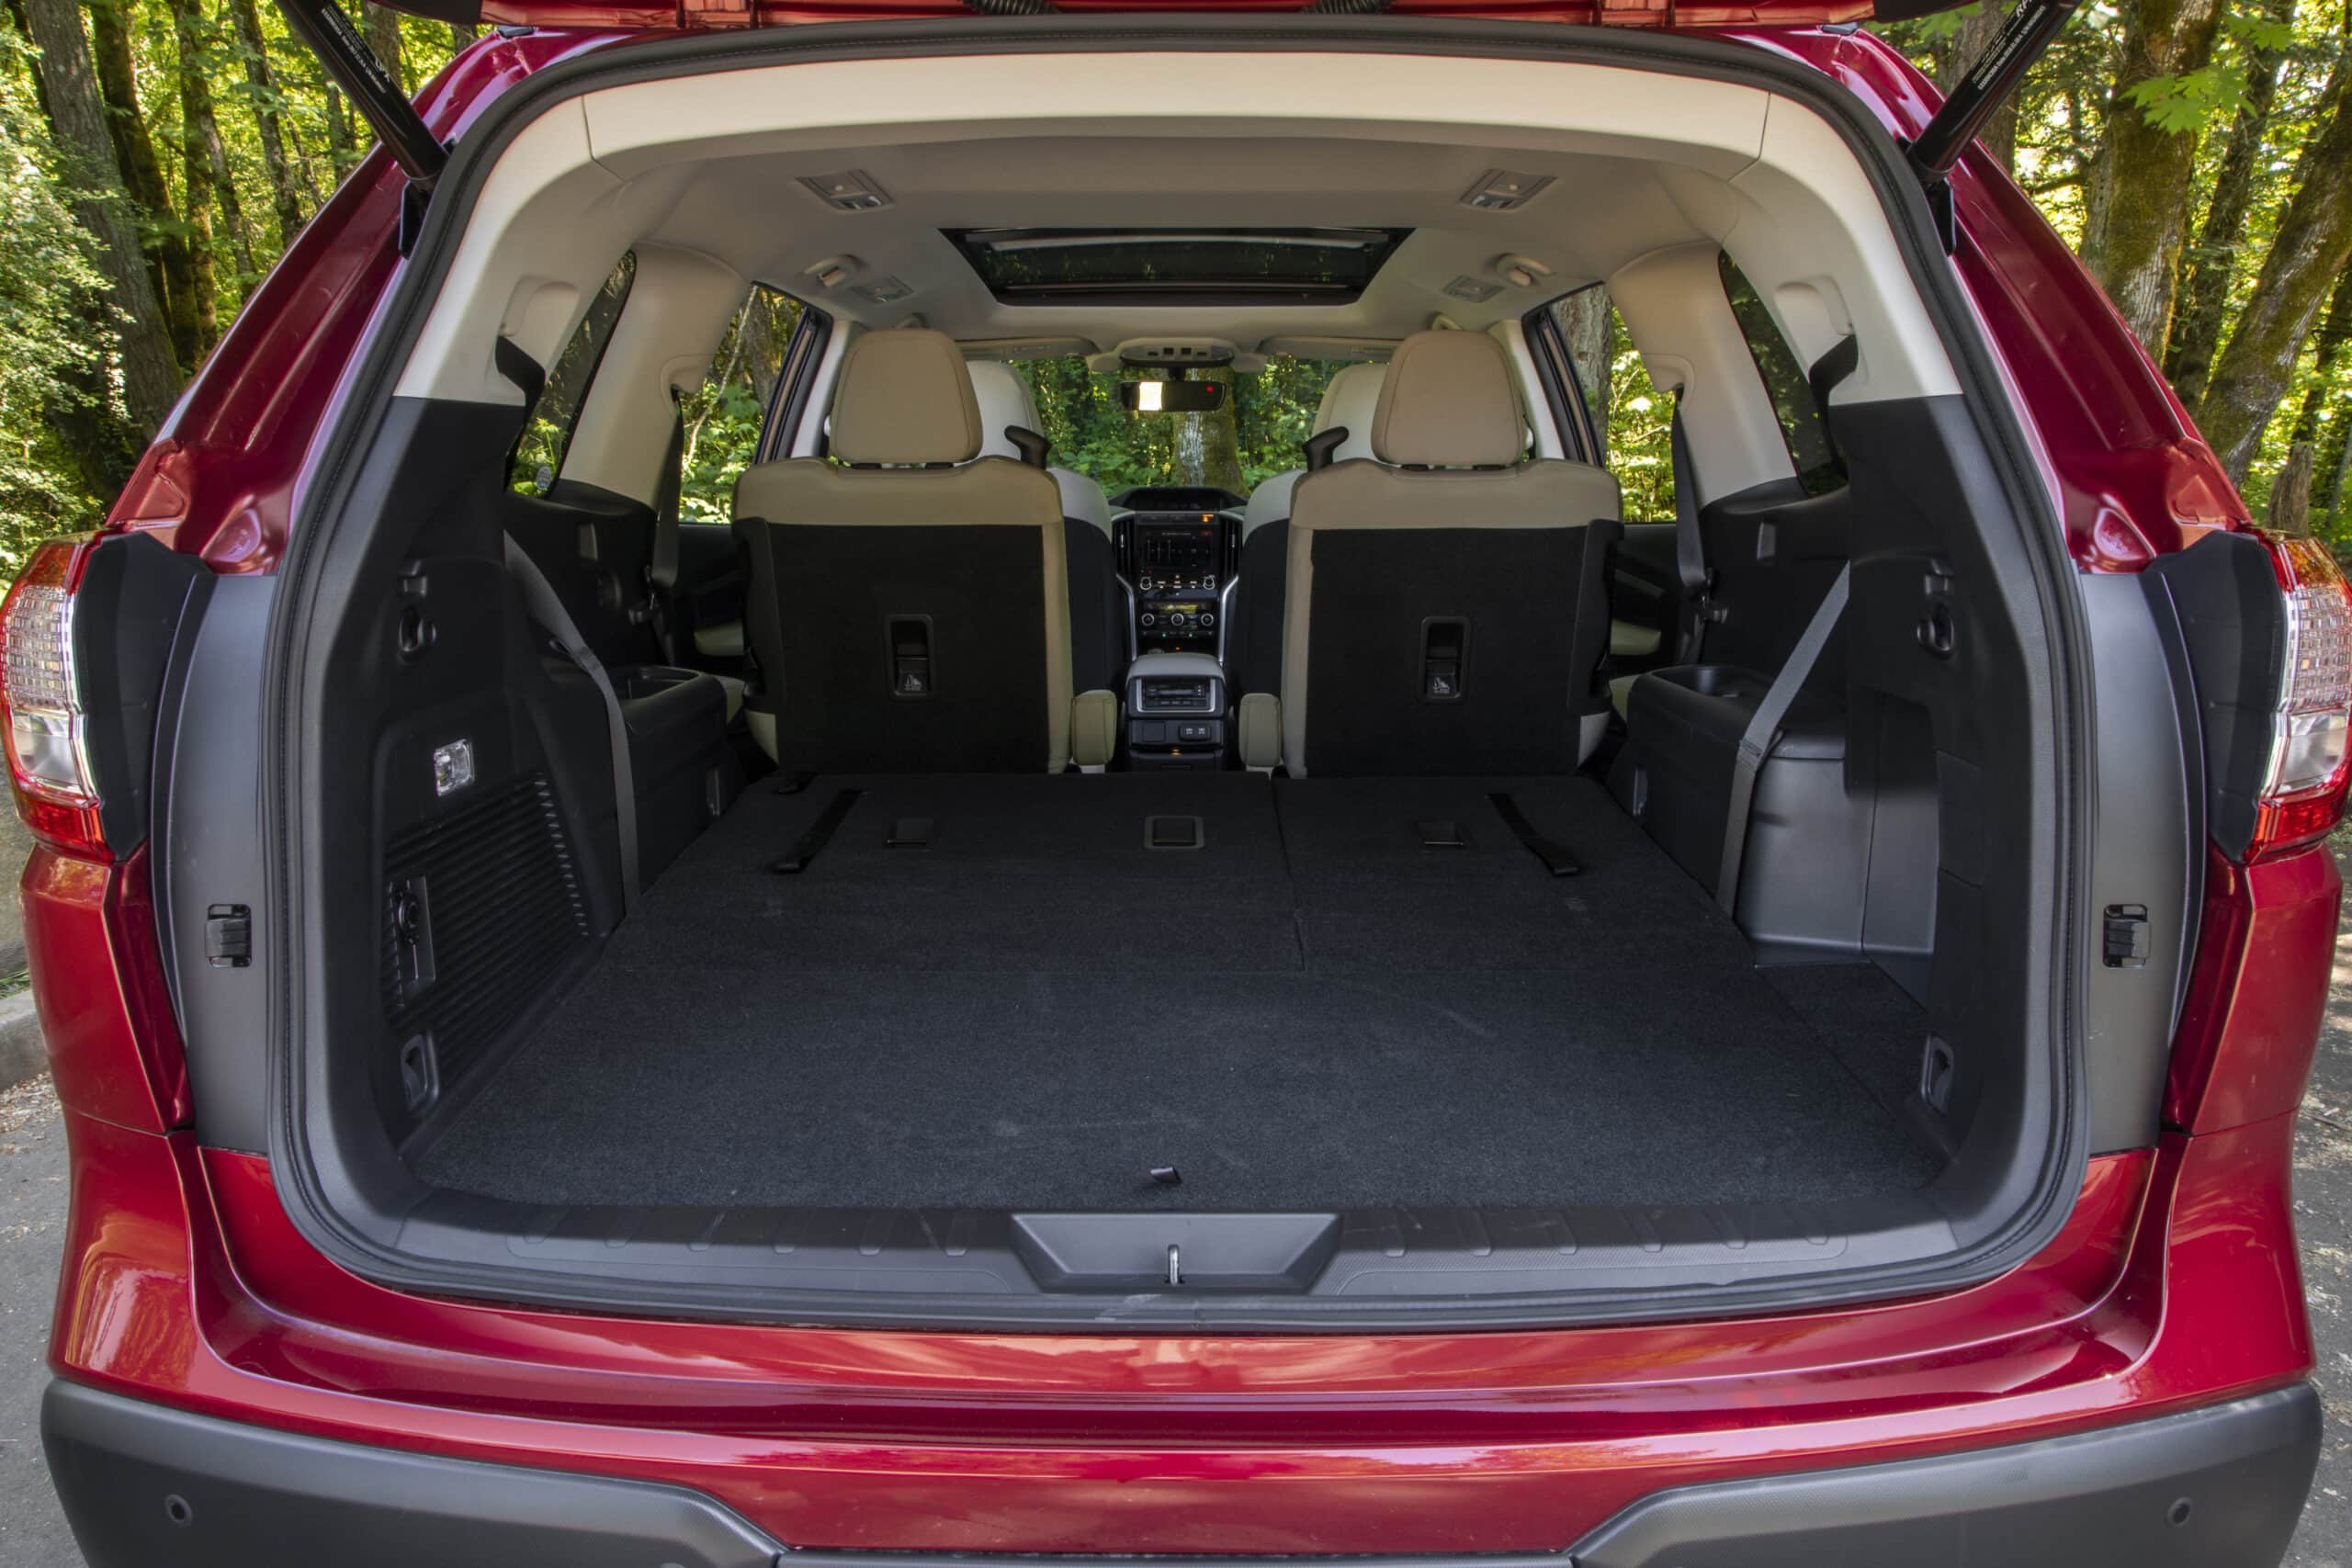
(48, 762)
(2311, 745)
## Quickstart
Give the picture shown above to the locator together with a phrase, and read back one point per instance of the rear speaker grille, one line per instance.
(493, 907)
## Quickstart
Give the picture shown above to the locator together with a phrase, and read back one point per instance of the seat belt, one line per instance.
(1763, 732)
(540, 598)
(1690, 549)
(661, 570)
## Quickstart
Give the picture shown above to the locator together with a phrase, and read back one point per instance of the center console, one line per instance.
(1176, 708)
(1181, 567)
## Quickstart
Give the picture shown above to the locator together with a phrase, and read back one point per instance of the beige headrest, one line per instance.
(1349, 403)
(1448, 402)
(1005, 400)
(905, 398)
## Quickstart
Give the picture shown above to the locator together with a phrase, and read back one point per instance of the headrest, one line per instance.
(1449, 402)
(904, 398)
(1349, 403)
(1005, 400)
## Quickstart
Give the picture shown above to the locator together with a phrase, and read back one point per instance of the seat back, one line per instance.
(1445, 603)
(1098, 606)
(1254, 649)
(908, 603)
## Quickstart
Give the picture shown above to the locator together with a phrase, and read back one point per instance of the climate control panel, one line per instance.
(1180, 565)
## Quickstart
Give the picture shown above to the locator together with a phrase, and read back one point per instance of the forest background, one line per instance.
(160, 155)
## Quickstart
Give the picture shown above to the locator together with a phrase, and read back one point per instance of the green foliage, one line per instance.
(1267, 417)
(49, 295)
(723, 416)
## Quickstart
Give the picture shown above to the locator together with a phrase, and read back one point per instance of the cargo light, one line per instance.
(49, 763)
(2311, 743)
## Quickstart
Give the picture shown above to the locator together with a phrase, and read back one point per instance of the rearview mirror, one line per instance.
(1172, 397)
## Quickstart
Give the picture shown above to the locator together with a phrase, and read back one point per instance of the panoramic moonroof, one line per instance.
(1176, 266)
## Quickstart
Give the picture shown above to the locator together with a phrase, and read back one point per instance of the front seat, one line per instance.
(1098, 605)
(1446, 603)
(907, 602)
(1254, 649)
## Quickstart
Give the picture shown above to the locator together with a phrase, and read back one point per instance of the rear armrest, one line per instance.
(1262, 730)
(1094, 728)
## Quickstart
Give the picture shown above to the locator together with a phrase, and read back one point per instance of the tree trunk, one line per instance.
(2212, 263)
(384, 41)
(261, 91)
(69, 78)
(461, 35)
(197, 181)
(1975, 35)
(2326, 349)
(2310, 251)
(1584, 322)
(204, 121)
(2135, 221)
(340, 151)
(2334, 450)
(2335, 471)
(162, 239)
(2290, 494)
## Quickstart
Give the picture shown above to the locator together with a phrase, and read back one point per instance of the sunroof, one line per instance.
(1176, 266)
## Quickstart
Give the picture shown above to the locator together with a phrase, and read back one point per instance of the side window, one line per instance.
(726, 415)
(1785, 384)
(538, 456)
(1633, 420)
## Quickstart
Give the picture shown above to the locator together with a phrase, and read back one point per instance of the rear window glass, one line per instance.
(538, 456)
(1785, 384)
(1234, 266)
(1259, 432)
(1633, 420)
(725, 415)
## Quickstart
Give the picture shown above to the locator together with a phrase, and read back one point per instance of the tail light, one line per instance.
(49, 762)
(2311, 743)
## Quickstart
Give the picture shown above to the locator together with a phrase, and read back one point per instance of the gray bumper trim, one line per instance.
(145, 1484)
(2219, 1487)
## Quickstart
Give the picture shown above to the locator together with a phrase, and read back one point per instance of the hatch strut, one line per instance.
(350, 66)
(1981, 93)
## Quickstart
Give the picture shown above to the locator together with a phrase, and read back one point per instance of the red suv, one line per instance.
(881, 786)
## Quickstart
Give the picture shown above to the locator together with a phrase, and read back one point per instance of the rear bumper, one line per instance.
(2216, 1487)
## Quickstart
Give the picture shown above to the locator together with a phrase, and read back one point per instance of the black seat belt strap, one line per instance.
(1764, 729)
(1690, 549)
(661, 570)
(540, 599)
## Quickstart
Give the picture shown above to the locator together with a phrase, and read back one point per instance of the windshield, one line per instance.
(1265, 418)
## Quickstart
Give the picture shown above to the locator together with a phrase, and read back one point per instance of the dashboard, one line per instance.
(1178, 549)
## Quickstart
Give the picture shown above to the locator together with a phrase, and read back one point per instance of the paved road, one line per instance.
(32, 1210)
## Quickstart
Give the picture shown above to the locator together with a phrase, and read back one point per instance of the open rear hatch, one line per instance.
(1273, 1052)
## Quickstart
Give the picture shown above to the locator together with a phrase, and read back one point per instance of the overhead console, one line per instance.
(1178, 549)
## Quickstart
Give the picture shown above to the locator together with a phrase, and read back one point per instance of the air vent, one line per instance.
(1500, 190)
(884, 290)
(1477, 291)
(853, 191)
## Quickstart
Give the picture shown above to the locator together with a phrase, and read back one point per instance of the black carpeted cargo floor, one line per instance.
(1315, 1008)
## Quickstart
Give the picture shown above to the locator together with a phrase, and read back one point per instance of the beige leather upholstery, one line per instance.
(1449, 400)
(1260, 723)
(1349, 402)
(1094, 728)
(1449, 407)
(1627, 641)
(904, 398)
(1005, 400)
(904, 401)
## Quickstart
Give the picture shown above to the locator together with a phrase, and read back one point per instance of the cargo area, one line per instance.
(996, 992)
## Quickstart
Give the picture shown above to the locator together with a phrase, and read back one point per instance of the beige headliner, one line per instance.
(1641, 162)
